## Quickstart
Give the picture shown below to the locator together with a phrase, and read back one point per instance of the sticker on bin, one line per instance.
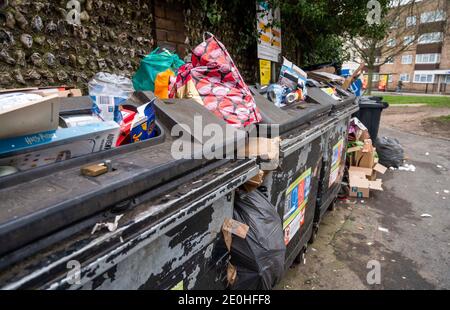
(292, 228)
(295, 205)
(336, 162)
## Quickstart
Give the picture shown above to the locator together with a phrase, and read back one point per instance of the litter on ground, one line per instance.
(407, 167)
(383, 229)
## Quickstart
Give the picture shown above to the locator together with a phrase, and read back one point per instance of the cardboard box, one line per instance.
(23, 114)
(362, 133)
(60, 91)
(365, 160)
(366, 156)
(359, 192)
(360, 170)
(31, 151)
(255, 182)
(362, 180)
(373, 176)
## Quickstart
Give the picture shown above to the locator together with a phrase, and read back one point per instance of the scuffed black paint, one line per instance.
(327, 194)
(136, 232)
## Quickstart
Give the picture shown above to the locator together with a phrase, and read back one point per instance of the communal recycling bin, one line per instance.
(153, 222)
(370, 114)
(343, 106)
(292, 187)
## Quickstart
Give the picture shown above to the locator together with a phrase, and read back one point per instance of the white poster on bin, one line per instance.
(269, 41)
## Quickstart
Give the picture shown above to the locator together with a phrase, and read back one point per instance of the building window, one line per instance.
(389, 61)
(407, 59)
(390, 78)
(377, 60)
(428, 58)
(432, 37)
(423, 78)
(404, 77)
(433, 16)
(408, 40)
(398, 3)
(411, 21)
(448, 79)
(391, 42)
(375, 77)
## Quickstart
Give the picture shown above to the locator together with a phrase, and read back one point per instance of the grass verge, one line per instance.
(435, 101)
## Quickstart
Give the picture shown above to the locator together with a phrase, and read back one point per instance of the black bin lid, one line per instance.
(371, 104)
(292, 116)
(41, 201)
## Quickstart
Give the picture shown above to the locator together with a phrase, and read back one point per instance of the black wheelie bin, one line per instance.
(370, 109)
(292, 187)
(152, 222)
(343, 106)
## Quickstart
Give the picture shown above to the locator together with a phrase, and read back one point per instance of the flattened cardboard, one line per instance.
(263, 147)
(75, 93)
(360, 170)
(376, 185)
(231, 227)
(358, 179)
(231, 274)
(358, 123)
(354, 149)
(364, 135)
(379, 168)
(255, 182)
(235, 228)
(368, 147)
(361, 178)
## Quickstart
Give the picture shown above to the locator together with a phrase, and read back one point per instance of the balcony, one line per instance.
(426, 66)
(432, 27)
(433, 48)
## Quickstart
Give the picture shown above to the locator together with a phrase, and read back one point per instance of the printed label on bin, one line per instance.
(294, 226)
(295, 204)
(338, 148)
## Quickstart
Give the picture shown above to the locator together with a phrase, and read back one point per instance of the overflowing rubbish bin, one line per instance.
(343, 106)
(150, 222)
(125, 190)
(292, 187)
(334, 157)
(370, 109)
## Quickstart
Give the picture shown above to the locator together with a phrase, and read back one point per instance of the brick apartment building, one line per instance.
(424, 67)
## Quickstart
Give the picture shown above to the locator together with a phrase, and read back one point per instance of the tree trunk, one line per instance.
(369, 80)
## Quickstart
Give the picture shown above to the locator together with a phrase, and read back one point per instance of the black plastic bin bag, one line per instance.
(259, 258)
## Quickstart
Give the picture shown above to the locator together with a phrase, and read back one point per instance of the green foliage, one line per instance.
(444, 118)
(312, 30)
(233, 22)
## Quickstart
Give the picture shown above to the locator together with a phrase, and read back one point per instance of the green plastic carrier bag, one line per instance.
(157, 61)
